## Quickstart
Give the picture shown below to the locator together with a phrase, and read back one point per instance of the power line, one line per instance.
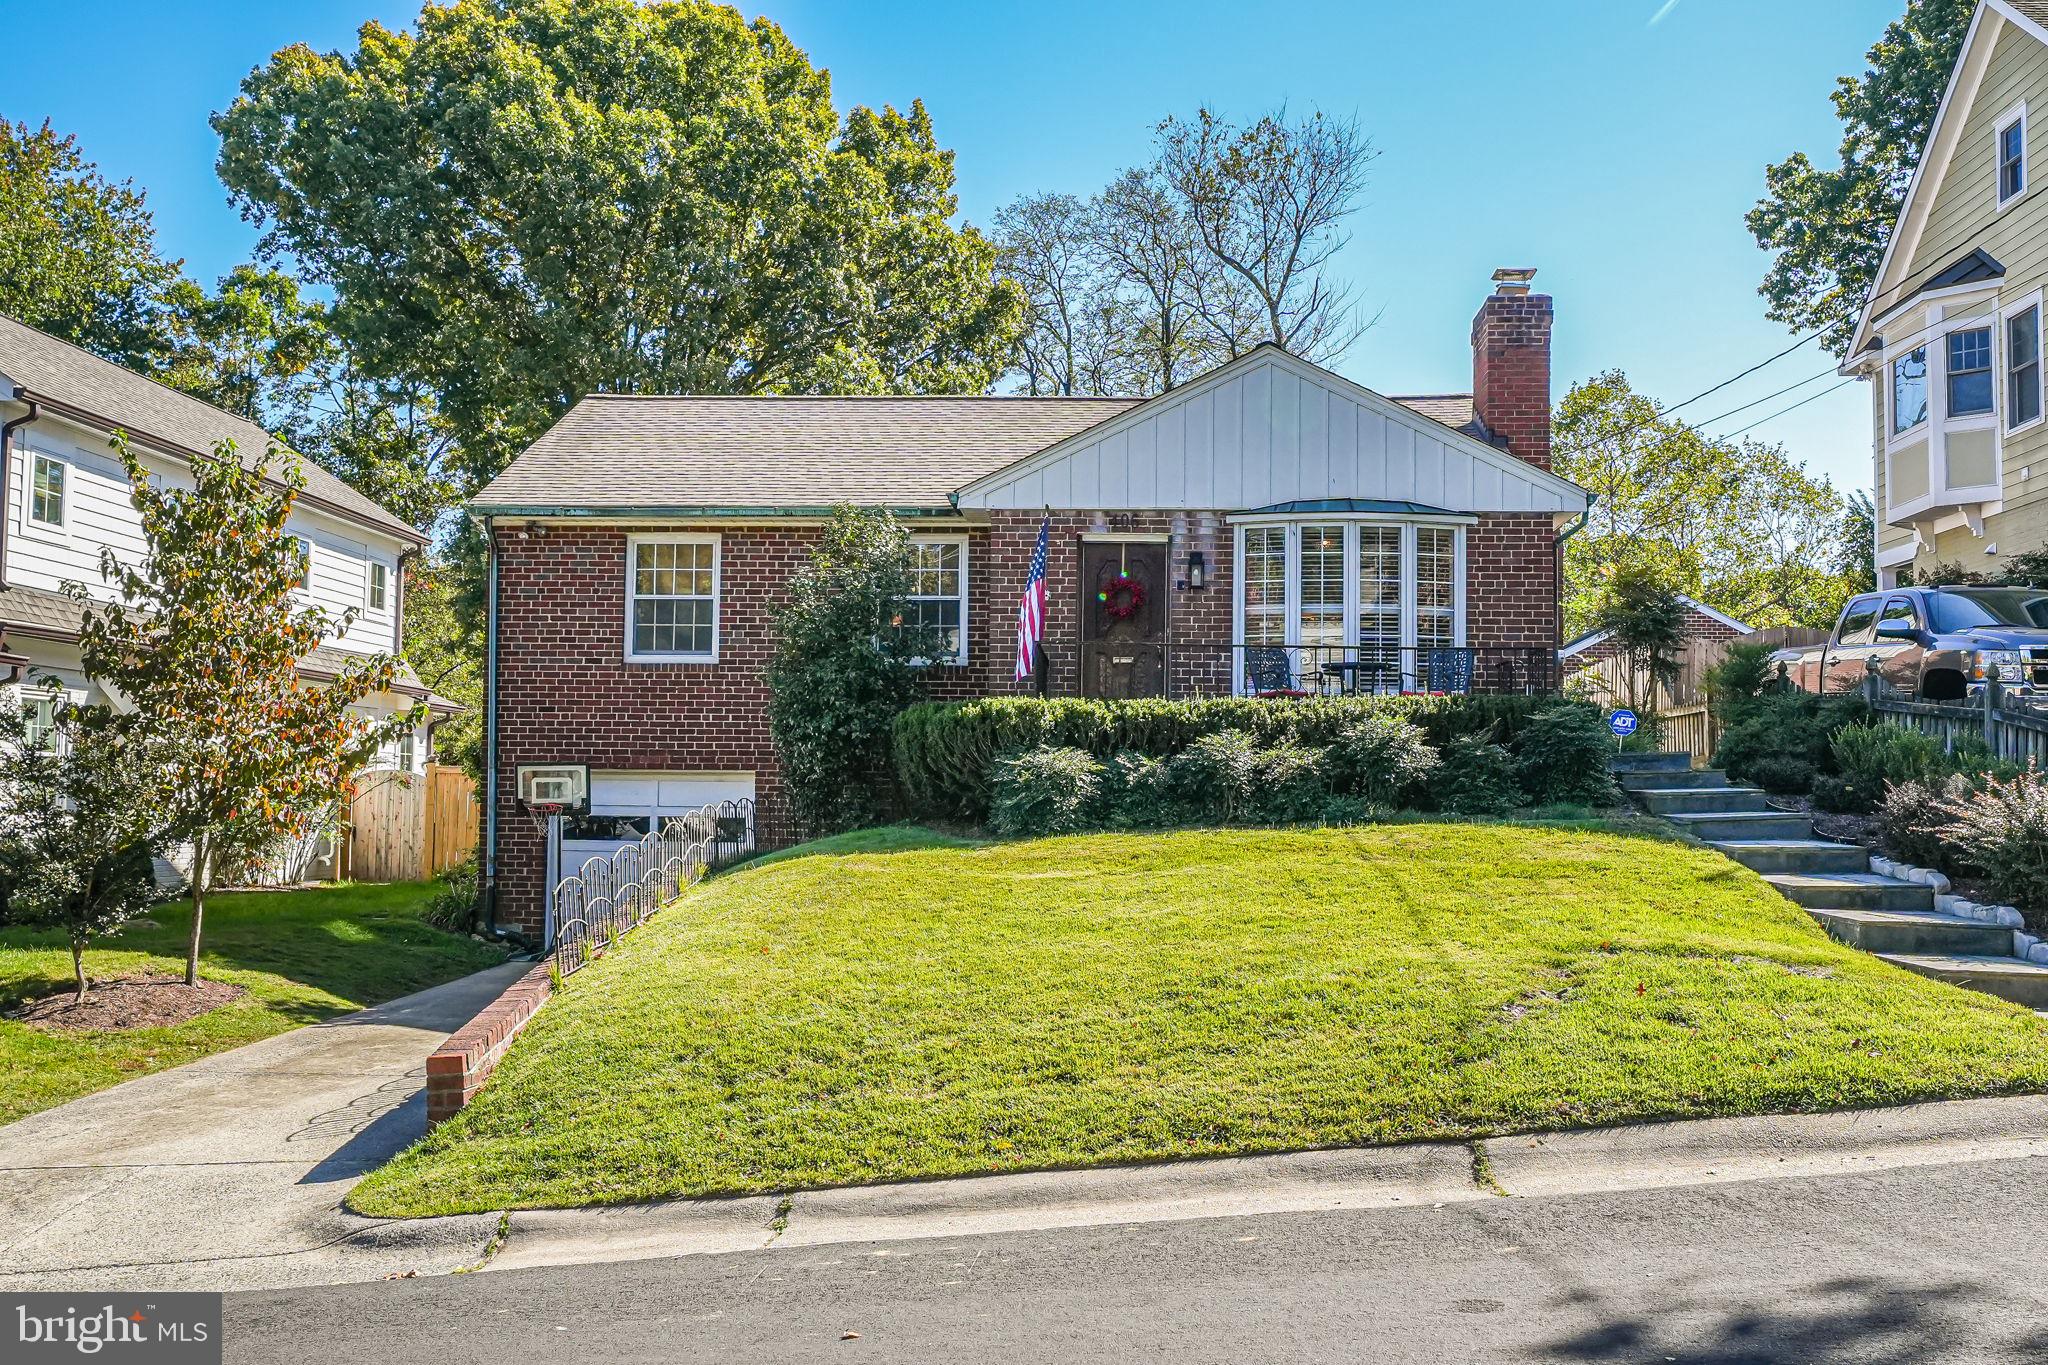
(1731, 435)
(1661, 412)
(1779, 393)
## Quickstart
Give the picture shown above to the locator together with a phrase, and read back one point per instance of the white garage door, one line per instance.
(625, 806)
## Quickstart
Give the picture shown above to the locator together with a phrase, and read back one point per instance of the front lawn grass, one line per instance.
(302, 956)
(895, 1006)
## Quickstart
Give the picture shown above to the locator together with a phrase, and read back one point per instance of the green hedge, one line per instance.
(946, 751)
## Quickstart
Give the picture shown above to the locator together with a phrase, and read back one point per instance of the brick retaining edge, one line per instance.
(459, 1067)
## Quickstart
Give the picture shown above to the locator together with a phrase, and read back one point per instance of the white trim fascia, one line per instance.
(1890, 557)
(1942, 136)
(712, 539)
(1268, 354)
(1583, 643)
(1952, 293)
(2016, 114)
(2020, 21)
(1723, 617)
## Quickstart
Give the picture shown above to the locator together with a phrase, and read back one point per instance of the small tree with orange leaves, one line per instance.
(201, 653)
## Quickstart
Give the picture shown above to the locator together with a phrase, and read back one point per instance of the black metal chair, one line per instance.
(1269, 672)
(1449, 670)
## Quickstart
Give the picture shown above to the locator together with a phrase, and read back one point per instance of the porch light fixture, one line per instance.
(1198, 569)
(1098, 524)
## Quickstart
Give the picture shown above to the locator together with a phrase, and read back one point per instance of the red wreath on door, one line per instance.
(1122, 598)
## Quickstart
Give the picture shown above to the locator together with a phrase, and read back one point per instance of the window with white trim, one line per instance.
(1264, 575)
(407, 751)
(47, 490)
(1379, 593)
(1436, 589)
(672, 598)
(1969, 372)
(1322, 585)
(2012, 158)
(2023, 367)
(40, 716)
(1909, 390)
(379, 589)
(937, 599)
(303, 548)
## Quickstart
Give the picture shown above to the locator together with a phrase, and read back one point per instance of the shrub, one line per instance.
(1288, 785)
(1476, 777)
(1915, 820)
(1782, 774)
(945, 752)
(2003, 832)
(1048, 790)
(1383, 760)
(454, 902)
(1744, 674)
(1561, 757)
(1783, 726)
(1213, 779)
(1135, 795)
(1349, 810)
(1873, 757)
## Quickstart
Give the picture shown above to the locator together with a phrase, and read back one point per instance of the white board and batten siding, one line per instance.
(1266, 429)
(99, 512)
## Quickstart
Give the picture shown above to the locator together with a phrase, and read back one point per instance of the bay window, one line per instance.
(1969, 372)
(1909, 390)
(1344, 596)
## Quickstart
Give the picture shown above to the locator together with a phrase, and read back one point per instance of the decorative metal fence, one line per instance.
(610, 895)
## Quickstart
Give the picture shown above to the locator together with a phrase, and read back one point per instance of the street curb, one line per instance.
(1416, 1175)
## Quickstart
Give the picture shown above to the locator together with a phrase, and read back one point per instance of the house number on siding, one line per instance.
(1123, 521)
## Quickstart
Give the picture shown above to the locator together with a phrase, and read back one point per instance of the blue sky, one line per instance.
(1613, 144)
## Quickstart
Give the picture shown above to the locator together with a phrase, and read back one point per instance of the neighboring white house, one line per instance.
(65, 497)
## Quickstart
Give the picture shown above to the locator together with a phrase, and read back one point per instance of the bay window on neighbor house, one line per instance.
(1381, 601)
(672, 599)
(1909, 390)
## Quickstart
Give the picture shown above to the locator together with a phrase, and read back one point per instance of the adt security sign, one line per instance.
(1623, 723)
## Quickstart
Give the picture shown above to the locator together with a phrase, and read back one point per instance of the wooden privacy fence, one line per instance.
(1681, 704)
(404, 829)
(2014, 728)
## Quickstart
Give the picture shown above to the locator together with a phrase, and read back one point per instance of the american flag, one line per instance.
(1031, 611)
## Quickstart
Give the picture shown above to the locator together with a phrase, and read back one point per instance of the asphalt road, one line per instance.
(1939, 1263)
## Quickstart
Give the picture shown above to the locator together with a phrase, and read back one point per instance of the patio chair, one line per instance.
(1269, 672)
(1449, 670)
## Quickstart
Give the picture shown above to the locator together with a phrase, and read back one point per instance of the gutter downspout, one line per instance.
(7, 431)
(1557, 569)
(490, 862)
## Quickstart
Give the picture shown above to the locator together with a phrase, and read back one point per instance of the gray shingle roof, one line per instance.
(781, 454)
(51, 615)
(2036, 10)
(63, 375)
(776, 454)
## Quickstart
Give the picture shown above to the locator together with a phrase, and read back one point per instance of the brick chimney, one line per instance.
(1511, 366)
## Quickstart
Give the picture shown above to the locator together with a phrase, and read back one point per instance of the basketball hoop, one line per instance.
(540, 812)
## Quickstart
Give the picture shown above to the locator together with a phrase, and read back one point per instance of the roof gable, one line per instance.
(1271, 428)
(1993, 19)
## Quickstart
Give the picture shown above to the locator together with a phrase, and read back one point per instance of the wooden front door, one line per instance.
(1123, 618)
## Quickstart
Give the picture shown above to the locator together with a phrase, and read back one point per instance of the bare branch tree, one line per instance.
(1149, 245)
(1047, 246)
(1268, 202)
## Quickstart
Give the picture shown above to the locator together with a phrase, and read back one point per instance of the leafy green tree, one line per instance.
(76, 823)
(202, 647)
(1827, 227)
(622, 198)
(78, 253)
(845, 664)
(1856, 543)
(1737, 525)
(1647, 624)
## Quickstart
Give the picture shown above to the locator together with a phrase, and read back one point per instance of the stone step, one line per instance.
(1851, 891)
(1693, 800)
(1896, 931)
(1718, 826)
(2008, 978)
(1796, 855)
(1671, 778)
(1650, 763)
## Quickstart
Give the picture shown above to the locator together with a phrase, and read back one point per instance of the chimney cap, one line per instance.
(1513, 279)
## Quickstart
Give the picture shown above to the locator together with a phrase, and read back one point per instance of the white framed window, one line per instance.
(48, 490)
(40, 715)
(2023, 365)
(1345, 594)
(1968, 373)
(672, 598)
(1909, 390)
(303, 548)
(938, 593)
(378, 591)
(408, 751)
(2011, 143)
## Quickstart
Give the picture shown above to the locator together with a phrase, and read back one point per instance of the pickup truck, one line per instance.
(1936, 643)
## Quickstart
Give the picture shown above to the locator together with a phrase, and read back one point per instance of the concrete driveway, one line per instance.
(227, 1173)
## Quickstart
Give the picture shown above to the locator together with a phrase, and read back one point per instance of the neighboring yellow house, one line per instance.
(1951, 334)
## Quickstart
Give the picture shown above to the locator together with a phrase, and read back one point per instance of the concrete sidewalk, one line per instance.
(228, 1172)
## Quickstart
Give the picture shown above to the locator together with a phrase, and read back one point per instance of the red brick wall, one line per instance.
(566, 693)
(1511, 372)
(1698, 626)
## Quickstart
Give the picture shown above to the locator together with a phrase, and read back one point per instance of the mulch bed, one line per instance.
(128, 1003)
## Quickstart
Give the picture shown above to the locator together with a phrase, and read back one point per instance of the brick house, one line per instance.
(1702, 622)
(1268, 528)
